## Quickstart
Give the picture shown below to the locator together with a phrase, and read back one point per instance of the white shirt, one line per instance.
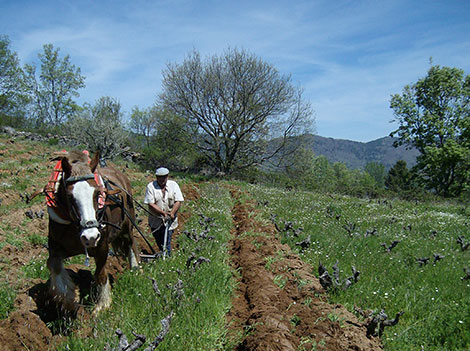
(154, 195)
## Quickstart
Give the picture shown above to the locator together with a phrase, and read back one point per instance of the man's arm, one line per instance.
(175, 209)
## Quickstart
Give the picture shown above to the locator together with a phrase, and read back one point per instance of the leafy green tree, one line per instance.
(322, 174)
(364, 184)
(398, 178)
(235, 103)
(344, 178)
(377, 171)
(13, 96)
(172, 144)
(433, 115)
(144, 122)
(100, 128)
(299, 167)
(53, 92)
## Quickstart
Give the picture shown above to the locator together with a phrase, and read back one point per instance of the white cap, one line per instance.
(162, 171)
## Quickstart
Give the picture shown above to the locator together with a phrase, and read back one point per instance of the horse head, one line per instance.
(81, 194)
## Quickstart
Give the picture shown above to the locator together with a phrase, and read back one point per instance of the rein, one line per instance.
(107, 180)
(124, 190)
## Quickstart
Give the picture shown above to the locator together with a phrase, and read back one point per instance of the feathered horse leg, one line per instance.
(62, 288)
(103, 285)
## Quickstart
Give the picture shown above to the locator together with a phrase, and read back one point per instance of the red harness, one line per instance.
(53, 185)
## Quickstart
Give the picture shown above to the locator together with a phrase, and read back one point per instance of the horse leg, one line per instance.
(61, 287)
(102, 284)
(132, 250)
(130, 246)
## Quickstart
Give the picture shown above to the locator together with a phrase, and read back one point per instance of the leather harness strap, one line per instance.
(80, 178)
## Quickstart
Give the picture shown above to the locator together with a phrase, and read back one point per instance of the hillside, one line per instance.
(216, 279)
(244, 271)
(357, 154)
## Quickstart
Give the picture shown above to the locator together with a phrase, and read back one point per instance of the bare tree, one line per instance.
(235, 103)
(100, 128)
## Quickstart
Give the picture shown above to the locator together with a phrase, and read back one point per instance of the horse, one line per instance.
(78, 226)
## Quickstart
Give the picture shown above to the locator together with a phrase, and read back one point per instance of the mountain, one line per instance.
(356, 154)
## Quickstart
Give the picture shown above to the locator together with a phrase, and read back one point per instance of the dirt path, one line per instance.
(279, 303)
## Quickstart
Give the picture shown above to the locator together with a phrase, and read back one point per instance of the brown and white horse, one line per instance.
(78, 226)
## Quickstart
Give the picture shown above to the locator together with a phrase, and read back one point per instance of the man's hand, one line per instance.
(168, 217)
(158, 211)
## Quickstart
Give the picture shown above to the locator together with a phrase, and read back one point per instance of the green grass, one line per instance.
(199, 319)
(13, 237)
(7, 297)
(36, 268)
(37, 239)
(434, 297)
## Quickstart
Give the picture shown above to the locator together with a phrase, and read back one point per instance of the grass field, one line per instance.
(351, 231)
(423, 275)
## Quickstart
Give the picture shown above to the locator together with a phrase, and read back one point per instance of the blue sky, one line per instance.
(349, 56)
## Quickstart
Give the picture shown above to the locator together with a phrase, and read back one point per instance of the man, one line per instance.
(164, 199)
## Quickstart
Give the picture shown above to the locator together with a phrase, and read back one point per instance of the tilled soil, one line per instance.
(280, 304)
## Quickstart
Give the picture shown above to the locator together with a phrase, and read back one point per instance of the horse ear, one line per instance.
(95, 161)
(66, 167)
(64, 162)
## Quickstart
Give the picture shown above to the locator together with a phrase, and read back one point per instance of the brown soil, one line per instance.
(280, 304)
(24, 329)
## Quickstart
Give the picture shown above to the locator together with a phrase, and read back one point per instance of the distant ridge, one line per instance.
(357, 154)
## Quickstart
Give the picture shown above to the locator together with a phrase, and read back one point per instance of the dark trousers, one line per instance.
(159, 235)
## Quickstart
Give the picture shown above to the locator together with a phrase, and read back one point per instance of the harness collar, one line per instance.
(53, 215)
(79, 178)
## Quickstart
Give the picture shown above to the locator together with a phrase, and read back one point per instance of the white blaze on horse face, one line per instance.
(83, 194)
